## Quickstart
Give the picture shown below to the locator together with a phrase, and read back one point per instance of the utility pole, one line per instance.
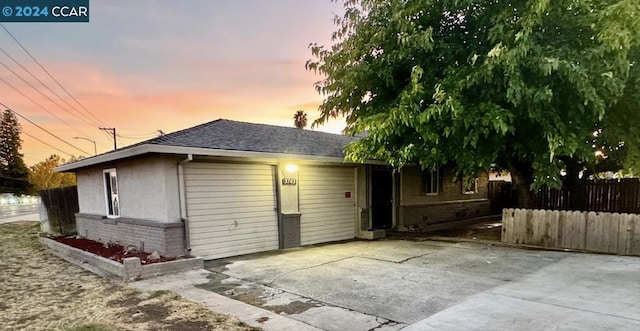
(113, 133)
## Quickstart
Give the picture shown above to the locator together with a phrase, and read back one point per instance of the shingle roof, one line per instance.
(241, 136)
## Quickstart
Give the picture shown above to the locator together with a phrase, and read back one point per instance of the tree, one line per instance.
(300, 119)
(521, 85)
(42, 176)
(13, 171)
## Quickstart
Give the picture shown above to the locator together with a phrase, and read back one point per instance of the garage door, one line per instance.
(327, 204)
(231, 209)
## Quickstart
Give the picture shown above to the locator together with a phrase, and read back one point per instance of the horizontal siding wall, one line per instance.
(231, 209)
(326, 215)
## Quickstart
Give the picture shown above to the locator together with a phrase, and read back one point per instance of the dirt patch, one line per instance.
(125, 302)
(39, 291)
(148, 312)
(249, 298)
(188, 325)
(110, 251)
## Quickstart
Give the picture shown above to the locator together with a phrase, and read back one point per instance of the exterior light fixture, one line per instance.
(291, 168)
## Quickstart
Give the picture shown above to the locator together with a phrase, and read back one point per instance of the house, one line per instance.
(228, 188)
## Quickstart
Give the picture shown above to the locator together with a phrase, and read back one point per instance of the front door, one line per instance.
(381, 199)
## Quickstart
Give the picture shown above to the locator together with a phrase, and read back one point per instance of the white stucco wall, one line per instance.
(91, 196)
(148, 189)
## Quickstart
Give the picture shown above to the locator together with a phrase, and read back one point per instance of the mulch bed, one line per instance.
(110, 251)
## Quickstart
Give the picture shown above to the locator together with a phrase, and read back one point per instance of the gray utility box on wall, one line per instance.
(289, 230)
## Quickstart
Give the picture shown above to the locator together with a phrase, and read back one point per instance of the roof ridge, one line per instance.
(281, 126)
(179, 132)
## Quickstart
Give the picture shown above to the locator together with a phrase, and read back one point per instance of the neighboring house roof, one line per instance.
(232, 138)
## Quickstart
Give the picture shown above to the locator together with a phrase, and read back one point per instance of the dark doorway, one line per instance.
(381, 199)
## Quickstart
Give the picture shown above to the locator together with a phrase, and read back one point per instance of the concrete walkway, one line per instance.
(409, 285)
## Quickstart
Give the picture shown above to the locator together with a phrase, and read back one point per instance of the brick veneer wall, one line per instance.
(439, 212)
(166, 238)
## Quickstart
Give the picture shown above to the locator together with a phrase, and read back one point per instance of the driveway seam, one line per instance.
(306, 268)
(562, 306)
(416, 257)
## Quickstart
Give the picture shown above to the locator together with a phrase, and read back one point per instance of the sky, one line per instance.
(142, 66)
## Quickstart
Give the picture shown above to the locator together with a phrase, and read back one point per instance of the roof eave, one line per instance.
(164, 149)
(103, 158)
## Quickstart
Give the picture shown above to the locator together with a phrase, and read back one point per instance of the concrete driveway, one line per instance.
(427, 285)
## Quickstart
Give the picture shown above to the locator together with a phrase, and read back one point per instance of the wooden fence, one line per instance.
(502, 195)
(601, 232)
(62, 205)
(622, 196)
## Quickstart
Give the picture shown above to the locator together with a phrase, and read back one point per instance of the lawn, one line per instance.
(39, 291)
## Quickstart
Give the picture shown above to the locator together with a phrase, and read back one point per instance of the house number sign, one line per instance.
(288, 181)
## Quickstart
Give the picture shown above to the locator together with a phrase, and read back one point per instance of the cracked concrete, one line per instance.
(311, 311)
(306, 268)
(423, 285)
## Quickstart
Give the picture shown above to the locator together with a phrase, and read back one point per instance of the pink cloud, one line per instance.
(118, 102)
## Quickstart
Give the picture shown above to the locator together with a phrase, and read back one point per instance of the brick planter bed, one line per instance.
(111, 251)
(128, 266)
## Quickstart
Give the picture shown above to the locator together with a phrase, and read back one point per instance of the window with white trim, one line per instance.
(469, 186)
(431, 181)
(111, 192)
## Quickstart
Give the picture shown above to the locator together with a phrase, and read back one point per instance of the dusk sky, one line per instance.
(142, 66)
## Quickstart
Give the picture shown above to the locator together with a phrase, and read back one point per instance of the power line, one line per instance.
(48, 73)
(90, 121)
(46, 96)
(41, 128)
(145, 136)
(39, 105)
(105, 133)
(135, 138)
(37, 90)
(46, 143)
(86, 119)
(142, 134)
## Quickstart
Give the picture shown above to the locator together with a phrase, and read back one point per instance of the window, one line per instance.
(469, 186)
(111, 192)
(431, 181)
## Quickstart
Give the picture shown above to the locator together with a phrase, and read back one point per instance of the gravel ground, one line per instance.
(39, 291)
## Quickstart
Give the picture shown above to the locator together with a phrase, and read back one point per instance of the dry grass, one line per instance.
(39, 291)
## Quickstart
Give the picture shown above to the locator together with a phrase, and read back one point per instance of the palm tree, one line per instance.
(300, 119)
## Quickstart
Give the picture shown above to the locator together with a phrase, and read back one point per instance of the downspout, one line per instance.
(182, 194)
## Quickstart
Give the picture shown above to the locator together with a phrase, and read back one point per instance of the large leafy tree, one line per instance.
(43, 177)
(13, 171)
(518, 84)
